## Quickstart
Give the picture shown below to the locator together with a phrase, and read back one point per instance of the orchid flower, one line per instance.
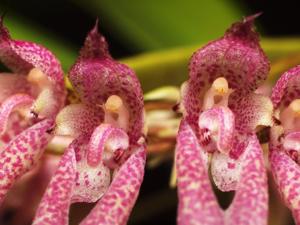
(285, 139)
(106, 158)
(221, 114)
(30, 97)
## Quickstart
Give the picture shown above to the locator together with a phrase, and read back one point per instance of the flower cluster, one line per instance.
(222, 112)
(103, 163)
(106, 157)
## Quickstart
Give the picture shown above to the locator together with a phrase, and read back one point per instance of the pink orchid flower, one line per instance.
(106, 159)
(30, 97)
(221, 115)
(285, 139)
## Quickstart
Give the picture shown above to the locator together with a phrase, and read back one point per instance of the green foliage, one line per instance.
(151, 25)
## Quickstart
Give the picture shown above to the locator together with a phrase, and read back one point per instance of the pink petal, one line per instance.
(77, 119)
(23, 153)
(291, 146)
(221, 121)
(102, 136)
(287, 88)
(11, 104)
(197, 202)
(116, 205)
(91, 181)
(21, 193)
(16, 124)
(250, 204)
(55, 204)
(11, 84)
(252, 111)
(237, 56)
(226, 171)
(21, 56)
(95, 79)
(95, 45)
(286, 173)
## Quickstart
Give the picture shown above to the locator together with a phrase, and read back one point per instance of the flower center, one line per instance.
(290, 121)
(291, 145)
(116, 112)
(45, 103)
(290, 116)
(217, 94)
(38, 78)
(216, 121)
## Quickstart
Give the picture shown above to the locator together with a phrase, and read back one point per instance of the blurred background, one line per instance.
(135, 28)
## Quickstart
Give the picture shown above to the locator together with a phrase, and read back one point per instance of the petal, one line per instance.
(9, 105)
(226, 171)
(287, 88)
(220, 123)
(197, 202)
(291, 145)
(47, 103)
(21, 56)
(91, 181)
(76, 119)
(55, 204)
(11, 84)
(21, 194)
(237, 56)
(250, 203)
(16, 124)
(95, 45)
(251, 112)
(286, 173)
(106, 137)
(22, 153)
(117, 203)
(96, 79)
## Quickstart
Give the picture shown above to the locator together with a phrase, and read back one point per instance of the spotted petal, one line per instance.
(54, 206)
(117, 203)
(197, 202)
(251, 112)
(219, 121)
(250, 203)
(23, 153)
(108, 144)
(95, 45)
(91, 181)
(237, 56)
(77, 119)
(96, 76)
(11, 104)
(286, 173)
(22, 56)
(11, 84)
(287, 88)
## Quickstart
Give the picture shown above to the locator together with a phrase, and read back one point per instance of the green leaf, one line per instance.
(156, 24)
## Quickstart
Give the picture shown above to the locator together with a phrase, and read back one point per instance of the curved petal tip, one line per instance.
(95, 45)
(244, 29)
